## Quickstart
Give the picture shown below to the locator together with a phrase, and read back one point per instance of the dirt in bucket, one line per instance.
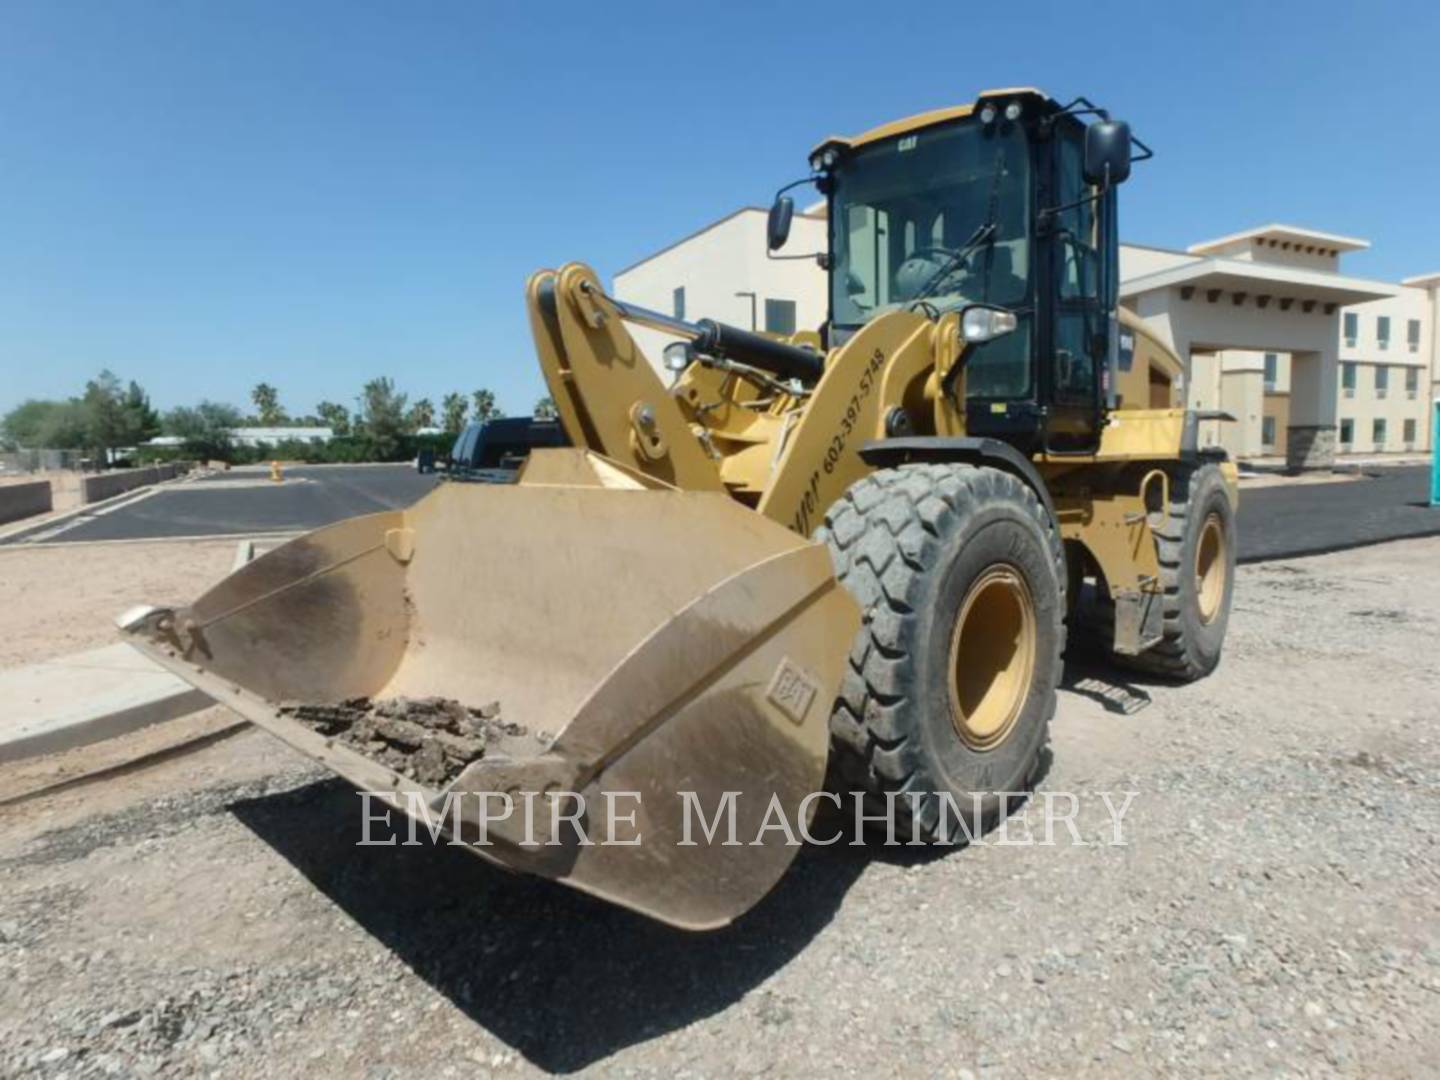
(430, 740)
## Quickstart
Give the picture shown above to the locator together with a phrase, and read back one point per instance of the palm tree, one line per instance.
(267, 404)
(422, 414)
(485, 408)
(454, 407)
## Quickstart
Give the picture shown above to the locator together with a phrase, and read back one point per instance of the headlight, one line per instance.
(677, 356)
(979, 323)
(1012, 111)
(987, 114)
(829, 157)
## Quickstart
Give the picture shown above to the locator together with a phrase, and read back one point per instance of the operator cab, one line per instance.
(1006, 206)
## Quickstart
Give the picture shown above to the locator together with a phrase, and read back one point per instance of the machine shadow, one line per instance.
(1120, 692)
(563, 978)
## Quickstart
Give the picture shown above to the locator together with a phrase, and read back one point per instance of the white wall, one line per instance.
(720, 261)
(1307, 256)
(1395, 407)
(1366, 405)
(1137, 261)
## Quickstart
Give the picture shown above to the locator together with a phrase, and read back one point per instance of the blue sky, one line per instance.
(204, 195)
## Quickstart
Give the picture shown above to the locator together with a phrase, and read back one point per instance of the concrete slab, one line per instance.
(85, 698)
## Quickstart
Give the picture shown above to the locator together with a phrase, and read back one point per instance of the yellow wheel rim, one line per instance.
(992, 658)
(1211, 568)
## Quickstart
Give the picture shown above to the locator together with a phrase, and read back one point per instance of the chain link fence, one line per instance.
(34, 461)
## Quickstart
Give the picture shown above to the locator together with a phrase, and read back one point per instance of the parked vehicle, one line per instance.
(492, 451)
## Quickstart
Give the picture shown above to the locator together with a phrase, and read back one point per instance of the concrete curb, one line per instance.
(85, 698)
(89, 697)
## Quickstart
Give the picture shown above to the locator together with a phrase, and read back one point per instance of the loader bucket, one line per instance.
(651, 650)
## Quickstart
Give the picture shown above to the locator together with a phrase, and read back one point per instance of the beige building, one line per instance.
(721, 272)
(1312, 362)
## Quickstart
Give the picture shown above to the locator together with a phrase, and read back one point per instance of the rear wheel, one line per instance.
(1196, 548)
(951, 681)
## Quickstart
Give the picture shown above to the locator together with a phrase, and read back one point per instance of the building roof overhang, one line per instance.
(1262, 279)
(1422, 281)
(1287, 235)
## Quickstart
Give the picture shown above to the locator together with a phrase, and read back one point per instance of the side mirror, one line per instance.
(777, 229)
(1107, 153)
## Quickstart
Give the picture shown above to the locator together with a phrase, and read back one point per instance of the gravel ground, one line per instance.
(1274, 911)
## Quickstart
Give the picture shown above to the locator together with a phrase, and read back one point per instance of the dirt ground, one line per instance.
(57, 599)
(1275, 909)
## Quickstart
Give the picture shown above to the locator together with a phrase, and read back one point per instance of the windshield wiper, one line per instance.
(982, 235)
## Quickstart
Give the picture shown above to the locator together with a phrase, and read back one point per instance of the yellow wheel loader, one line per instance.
(852, 551)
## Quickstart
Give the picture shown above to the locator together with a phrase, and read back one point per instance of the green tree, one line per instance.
(453, 408)
(141, 420)
(336, 417)
(267, 405)
(206, 428)
(382, 416)
(105, 418)
(485, 407)
(38, 424)
(422, 414)
(116, 417)
(22, 424)
(545, 409)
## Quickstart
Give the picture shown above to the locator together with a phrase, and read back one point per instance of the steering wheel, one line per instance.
(918, 272)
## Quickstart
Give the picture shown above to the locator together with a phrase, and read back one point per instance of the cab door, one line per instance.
(1072, 360)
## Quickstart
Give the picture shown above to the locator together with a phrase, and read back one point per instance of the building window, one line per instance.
(1412, 383)
(1347, 432)
(1352, 329)
(1409, 434)
(1382, 381)
(1347, 378)
(1377, 434)
(1412, 334)
(780, 316)
(1272, 362)
(1267, 432)
(1382, 331)
(678, 303)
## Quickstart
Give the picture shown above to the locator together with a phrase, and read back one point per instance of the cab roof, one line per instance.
(928, 119)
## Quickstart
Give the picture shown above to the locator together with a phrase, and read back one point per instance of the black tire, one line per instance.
(1191, 646)
(909, 543)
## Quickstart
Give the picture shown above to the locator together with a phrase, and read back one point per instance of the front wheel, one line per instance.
(950, 689)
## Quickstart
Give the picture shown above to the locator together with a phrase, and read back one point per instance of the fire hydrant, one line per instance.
(276, 473)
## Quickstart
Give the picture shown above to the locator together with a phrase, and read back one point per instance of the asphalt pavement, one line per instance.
(1281, 521)
(244, 502)
(1290, 520)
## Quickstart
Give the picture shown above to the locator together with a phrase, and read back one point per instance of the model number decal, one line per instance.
(809, 502)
